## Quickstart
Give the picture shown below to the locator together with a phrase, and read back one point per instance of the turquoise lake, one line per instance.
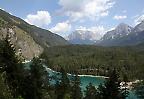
(85, 80)
(96, 81)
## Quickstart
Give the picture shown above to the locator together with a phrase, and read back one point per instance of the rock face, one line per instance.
(81, 37)
(23, 42)
(139, 27)
(120, 31)
(123, 35)
(84, 37)
(29, 38)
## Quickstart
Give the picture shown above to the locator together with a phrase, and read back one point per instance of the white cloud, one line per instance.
(92, 33)
(40, 19)
(139, 19)
(119, 17)
(78, 9)
(61, 28)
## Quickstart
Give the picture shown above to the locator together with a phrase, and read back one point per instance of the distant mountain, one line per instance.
(29, 38)
(120, 31)
(133, 39)
(139, 27)
(83, 37)
(123, 35)
(81, 42)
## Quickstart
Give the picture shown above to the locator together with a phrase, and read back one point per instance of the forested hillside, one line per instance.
(77, 57)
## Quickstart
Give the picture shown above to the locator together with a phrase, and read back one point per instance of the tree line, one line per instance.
(81, 57)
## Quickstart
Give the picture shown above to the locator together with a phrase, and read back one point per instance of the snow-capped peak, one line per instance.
(139, 27)
(121, 30)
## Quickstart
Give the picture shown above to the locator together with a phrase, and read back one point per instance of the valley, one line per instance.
(87, 65)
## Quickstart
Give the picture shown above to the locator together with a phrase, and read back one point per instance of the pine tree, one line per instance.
(12, 65)
(5, 92)
(111, 88)
(76, 90)
(39, 80)
(62, 86)
(91, 92)
(27, 87)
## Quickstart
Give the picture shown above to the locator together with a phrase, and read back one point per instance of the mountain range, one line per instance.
(122, 35)
(82, 37)
(86, 35)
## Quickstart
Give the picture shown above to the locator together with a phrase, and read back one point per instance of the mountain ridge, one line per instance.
(39, 37)
(126, 36)
(86, 36)
(121, 30)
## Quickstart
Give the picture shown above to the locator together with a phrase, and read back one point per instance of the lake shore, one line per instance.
(129, 84)
(78, 75)
(92, 76)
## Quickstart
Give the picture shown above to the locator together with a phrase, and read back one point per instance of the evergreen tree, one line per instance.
(27, 87)
(39, 80)
(58, 90)
(76, 90)
(91, 92)
(62, 86)
(111, 88)
(12, 65)
(5, 92)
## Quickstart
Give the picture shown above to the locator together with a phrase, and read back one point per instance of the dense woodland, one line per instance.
(98, 60)
(18, 82)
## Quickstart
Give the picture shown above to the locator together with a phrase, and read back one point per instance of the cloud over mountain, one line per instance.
(119, 17)
(40, 19)
(92, 9)
(61, 28)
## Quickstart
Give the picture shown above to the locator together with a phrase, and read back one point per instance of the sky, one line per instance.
(65, 16)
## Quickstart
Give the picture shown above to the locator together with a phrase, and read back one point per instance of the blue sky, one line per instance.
(65, 16)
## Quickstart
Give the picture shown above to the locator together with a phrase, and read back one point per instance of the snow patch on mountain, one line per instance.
(86, 34)
(121, 30)
(139, 27)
